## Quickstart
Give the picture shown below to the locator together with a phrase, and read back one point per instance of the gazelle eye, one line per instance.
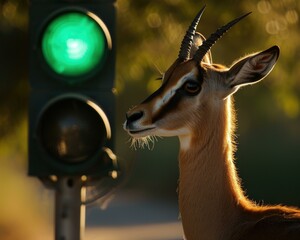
(191, 87)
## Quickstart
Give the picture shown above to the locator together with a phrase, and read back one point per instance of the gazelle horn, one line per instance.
(207, 44)
(187, 41)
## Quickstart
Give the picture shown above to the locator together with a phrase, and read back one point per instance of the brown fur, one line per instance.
(208, 176)
(211, 201)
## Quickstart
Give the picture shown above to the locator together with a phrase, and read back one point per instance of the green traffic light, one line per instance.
(75, 43)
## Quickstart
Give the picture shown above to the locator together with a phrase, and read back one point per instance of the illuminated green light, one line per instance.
(74, 44)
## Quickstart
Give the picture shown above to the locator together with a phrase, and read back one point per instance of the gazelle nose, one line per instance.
(134, 116)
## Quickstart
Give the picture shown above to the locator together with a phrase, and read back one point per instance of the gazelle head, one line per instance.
(194, 86)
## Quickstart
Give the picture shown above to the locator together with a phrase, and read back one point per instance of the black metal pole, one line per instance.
(69, 210)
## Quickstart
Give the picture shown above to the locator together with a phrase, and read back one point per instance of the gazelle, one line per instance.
(194, 103)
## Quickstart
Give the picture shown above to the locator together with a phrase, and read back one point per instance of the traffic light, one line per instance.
(72, 71)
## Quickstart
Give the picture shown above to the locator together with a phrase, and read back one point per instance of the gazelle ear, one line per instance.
(253, 68)
(197, 41)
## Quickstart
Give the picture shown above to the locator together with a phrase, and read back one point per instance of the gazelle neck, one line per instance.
(210, 196)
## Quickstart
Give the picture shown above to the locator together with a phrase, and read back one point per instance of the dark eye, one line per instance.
(191, 87)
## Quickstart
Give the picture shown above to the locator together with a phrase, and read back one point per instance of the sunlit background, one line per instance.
(149, 35)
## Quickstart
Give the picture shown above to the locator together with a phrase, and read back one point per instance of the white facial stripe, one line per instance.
(163, 77)
(169, 94)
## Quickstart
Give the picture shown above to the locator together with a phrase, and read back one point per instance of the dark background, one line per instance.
(149, 34)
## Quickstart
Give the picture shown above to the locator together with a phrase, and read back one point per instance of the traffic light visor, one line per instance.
(75, 43)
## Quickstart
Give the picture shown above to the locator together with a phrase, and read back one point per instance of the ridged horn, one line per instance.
(207, 44)
(187, 41)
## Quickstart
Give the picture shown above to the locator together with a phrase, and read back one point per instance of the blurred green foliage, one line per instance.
(148, 39)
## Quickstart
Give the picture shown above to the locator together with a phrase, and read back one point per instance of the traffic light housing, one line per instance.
(72, 72)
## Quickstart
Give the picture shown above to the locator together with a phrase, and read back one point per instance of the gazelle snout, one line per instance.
(132, 117)
(136, 123)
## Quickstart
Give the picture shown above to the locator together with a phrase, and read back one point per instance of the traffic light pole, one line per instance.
(72, 103)
(69, 210)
